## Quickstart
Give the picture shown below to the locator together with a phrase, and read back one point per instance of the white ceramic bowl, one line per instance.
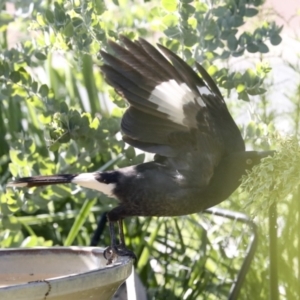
(60, 273)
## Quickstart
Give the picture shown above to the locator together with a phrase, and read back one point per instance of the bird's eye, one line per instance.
(249, 161)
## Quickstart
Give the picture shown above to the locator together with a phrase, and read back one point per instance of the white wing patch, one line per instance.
(203, 90)
(200, 102)
(170, 97)
(88, 180)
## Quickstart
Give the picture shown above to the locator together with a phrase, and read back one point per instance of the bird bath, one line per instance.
(60, 273)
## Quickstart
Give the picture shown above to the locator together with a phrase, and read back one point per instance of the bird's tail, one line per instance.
(96, 181)
(42, 180)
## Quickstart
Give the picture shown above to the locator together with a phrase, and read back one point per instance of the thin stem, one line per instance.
(273, 252)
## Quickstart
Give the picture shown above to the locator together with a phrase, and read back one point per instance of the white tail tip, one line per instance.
(17, 184)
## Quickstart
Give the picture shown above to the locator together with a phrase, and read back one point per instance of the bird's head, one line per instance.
(228, 174)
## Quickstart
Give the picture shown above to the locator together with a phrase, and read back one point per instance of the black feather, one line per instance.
(213, 87)
(45, 180)
(186, 72)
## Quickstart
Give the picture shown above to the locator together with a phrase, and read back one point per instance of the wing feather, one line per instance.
(173, 112)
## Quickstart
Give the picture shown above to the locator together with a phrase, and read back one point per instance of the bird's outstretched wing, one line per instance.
(172, 111)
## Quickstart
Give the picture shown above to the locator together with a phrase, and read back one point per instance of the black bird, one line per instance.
(183, 119)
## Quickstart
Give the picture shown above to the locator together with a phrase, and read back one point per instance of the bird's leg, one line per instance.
(121, 233)
(116, 249)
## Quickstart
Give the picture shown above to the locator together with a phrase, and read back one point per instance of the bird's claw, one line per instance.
(112, 252)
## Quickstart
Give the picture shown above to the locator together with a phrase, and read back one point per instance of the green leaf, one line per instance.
(252, 48)
(263, 69)
(275, 40)
(30, 146)
(243, 96)
(190, 39)
(211, 30)
(238, 21)
(49, 16)
(34, 86)
(2, 69)
(138, 159)
(172, 32)
(251, 12)
(232, 42)
(79, 221)
(201, 7)
(63, 107)
(7, 91)
(169, 5)
(226, 33)
(130, 153)
(240, 88)
(100, 7)
(238, 53)
(212, 70)
(5, 19)
(15, 76)
(170, 20)
(186, 11)
(225, 55)
(59, 15)
(44, 90)
(25, 77)
(40, 56)
(237, 76)
(263, 48)
(69, 29)
(192, 22)
(256, 91)
(74, 119)
(220, 11)
(11, 223)
(77, 22)
(249, 78)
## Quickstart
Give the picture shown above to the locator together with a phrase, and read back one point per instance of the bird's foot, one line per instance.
(112, 252)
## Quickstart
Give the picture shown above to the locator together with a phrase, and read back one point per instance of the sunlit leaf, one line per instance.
(169, 5)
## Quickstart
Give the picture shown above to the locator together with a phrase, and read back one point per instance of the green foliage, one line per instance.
(58, 116)
(267, 184)
(190, 257)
